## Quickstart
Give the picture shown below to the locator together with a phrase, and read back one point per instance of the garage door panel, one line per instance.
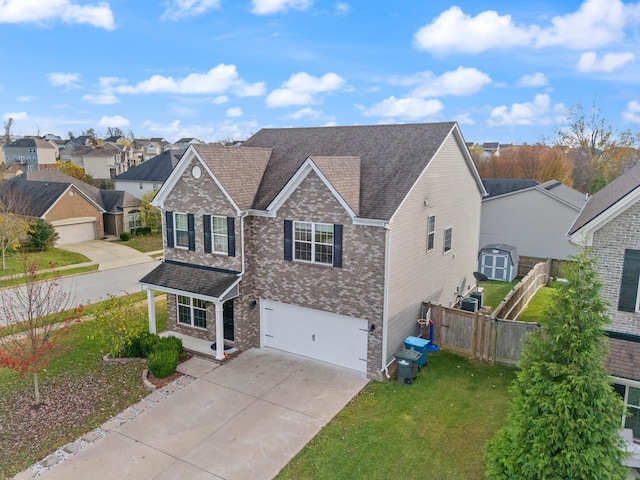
(77, 232)
(326, 336)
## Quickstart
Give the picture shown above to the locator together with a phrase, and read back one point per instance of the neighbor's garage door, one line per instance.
(77, 232)
(329, 337)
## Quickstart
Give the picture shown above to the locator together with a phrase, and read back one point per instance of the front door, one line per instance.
(227, 320)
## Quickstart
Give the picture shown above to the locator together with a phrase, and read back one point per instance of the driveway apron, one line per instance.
(245, 419)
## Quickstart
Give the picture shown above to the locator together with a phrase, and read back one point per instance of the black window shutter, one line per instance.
(629, 284)
(337, 246)
(192, 233)
(206, 230)
(169, 223)
(288, 240)
(231, 236)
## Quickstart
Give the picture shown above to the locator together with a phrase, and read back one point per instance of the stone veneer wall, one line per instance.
(609, 244)
(356, 289)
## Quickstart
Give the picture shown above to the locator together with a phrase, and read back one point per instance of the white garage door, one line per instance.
(325, 336)
(77, 232)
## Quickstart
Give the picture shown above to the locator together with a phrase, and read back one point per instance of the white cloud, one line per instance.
(343, 8)
(306, 112)
(537, 79)
(17, 116)
(115, 121)
(632, 113)
(234, 112)
(27, 98)
(218, 80)
(595, 24)
(302, 88)
(68, 80)
(179, 9)
(227, 130)
(465, 119)
(101, 98)
(47, 11)
(267, 7)
(462, 81)
(454, 31)
(529, 113)
(219, 100)
(609, 62)
(405, 108)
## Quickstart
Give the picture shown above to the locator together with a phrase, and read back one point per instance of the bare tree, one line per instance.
(43, 309)
(7, 130)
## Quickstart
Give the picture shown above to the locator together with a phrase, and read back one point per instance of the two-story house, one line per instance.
(322, 242)
(150, 175)
(609, 225)
(32, 153)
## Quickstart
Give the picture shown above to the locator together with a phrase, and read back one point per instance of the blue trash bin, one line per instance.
(419, 345)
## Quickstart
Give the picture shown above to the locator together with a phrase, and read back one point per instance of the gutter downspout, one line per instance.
(385, 305)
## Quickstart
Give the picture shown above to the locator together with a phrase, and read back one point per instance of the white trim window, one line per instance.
(135, 219)
(219, 235)
(448, 237)
(192, 311)
(431, 232)
(313, 242)
(181, 229)
(629, 390)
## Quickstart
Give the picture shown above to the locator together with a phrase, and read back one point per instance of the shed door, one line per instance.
(325, 336)
(495, 265)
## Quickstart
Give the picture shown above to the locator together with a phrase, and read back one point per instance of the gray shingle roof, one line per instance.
(564, 193)
(183, 277)
(392, 158)
(607, 197)
(156, 169)
(502, 186)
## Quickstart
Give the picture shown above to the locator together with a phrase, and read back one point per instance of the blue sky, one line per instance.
(507, 71)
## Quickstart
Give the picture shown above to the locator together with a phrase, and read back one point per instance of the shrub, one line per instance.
(125, 236)
(141, 345)
(141, 231)
(117, 324)
(42, 235)
(169, 343)
(162, 363)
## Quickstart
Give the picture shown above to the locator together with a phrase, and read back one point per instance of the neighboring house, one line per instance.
(103, 162)
(323, 242)
(31, 153)
(11, 171)
(183, 143)
(148, 176)
(533, 217)
(77, 210)
(609, 225)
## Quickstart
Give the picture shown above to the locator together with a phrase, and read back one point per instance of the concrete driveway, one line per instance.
(244, 419)
(107, 254)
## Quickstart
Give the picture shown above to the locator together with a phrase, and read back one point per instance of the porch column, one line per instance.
(219, 332)
(151, 308)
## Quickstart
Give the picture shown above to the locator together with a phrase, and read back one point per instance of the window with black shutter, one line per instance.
(628, 301)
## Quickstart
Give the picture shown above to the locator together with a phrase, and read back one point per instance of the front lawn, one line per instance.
(79, 393)
(144, 243)
(43, 260)
(433, 429)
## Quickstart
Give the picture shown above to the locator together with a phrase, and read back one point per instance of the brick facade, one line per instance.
(609, 244)
(74, 205)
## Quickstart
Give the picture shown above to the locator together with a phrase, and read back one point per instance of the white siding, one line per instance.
(134, 187)
(531, 221)
(415, 275)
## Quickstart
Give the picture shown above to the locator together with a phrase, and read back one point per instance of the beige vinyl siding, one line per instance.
(533, 222)
(415, 275)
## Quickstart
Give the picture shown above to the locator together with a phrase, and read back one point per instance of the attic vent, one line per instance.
(553, 185)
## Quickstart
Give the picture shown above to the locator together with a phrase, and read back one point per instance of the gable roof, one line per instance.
(607, 199)
(156, 169)
(564, 193)
(344, 175)
(38, 190)
(238, 169)
(30, 142)
(392, 157)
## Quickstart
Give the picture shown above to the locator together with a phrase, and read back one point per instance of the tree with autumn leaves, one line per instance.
(40, 311)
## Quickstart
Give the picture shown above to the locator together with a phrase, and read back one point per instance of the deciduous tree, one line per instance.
(564, 415)
(42, 308)
(151, 216)
(73, 170)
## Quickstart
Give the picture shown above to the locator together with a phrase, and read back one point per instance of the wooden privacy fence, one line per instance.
(478, 335)
(518, 298)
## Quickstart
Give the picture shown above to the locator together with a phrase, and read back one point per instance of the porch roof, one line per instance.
(207, 283)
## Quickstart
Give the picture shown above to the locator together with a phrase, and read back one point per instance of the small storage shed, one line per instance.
(498, 261)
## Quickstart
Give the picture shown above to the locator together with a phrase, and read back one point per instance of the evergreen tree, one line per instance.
(564, 416)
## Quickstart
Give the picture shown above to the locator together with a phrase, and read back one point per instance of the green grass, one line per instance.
(535, 309)
(71, 271)
(56, 256)
(112, 389)
(145, 243)
(433, 429)
(495, 291)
